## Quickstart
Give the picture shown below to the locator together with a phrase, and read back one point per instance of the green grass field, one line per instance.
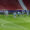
(11, 23)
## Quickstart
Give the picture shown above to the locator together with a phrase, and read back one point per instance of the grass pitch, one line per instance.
(11, 23)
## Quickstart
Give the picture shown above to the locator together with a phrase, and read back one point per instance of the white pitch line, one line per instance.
(4, 22)
(27, 21)
(10, 23)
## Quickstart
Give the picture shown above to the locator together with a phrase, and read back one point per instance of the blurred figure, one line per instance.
(27, 12)
(19, 13)
(6, 12)
(14, 14)
(23, 12)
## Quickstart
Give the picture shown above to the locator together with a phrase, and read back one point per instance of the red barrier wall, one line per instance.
(13, 4)
(27, 3)
(9, 4)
